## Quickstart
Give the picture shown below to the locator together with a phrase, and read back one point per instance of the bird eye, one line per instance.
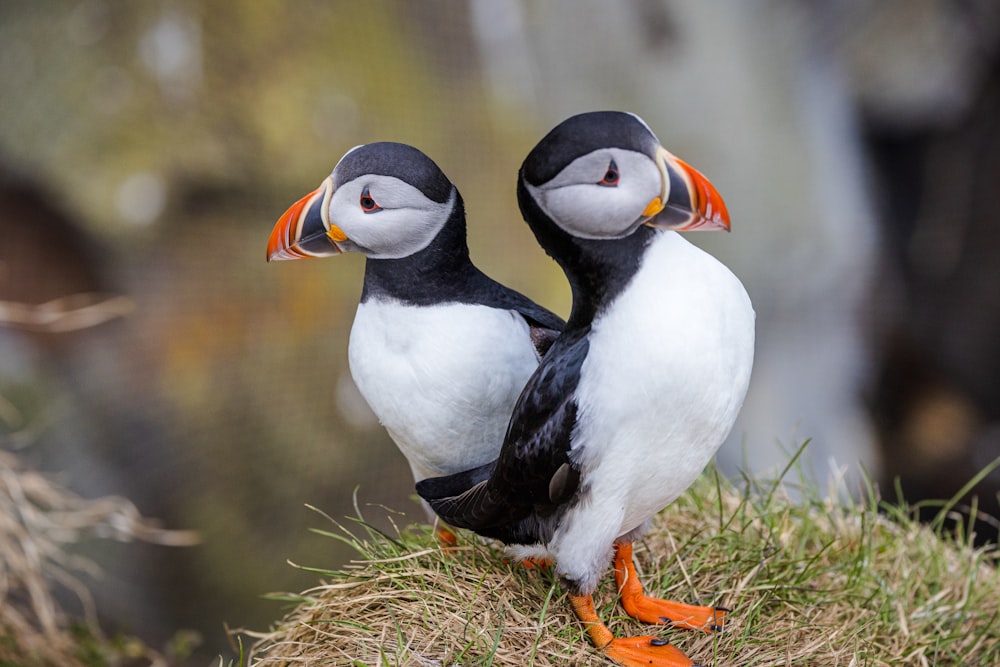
(368, 204)
(611, 176)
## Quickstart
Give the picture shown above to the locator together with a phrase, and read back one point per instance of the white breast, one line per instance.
(665, 376)
(442, 379)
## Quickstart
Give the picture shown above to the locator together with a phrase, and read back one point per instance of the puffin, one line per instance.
(639, 390)
(439, 350)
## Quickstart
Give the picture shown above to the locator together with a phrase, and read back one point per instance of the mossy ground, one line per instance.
(810, 582)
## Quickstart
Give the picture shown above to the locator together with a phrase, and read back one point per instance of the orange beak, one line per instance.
(688, 200)
(305, 230)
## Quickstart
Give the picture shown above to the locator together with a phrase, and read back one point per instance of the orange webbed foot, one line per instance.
(646, 652)
(627, 651)
(531, 563)
(676, 614)
(536, 564)
(654, 610)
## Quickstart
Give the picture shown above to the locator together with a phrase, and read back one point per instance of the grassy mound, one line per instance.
(810, 583)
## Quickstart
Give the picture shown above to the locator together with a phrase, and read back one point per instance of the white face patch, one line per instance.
(577, 203)
(406, 222)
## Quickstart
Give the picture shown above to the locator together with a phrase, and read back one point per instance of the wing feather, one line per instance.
(533, 475)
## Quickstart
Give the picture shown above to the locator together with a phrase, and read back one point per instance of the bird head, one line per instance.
(604, 174)
(386, 200)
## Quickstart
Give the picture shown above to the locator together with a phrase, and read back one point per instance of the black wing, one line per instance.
(544, 324)
(533, 474)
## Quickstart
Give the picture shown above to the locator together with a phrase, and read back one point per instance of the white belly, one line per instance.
(442, 380)
(665, 376)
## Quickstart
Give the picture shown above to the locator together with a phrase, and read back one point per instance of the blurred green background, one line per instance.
(147, 148)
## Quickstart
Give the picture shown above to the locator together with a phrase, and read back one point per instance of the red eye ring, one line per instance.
(367, 202)
(611, 176)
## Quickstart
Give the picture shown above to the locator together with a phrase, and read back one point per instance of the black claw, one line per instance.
(658, 642)
(726, 609)
(665, 620)
(716, 628)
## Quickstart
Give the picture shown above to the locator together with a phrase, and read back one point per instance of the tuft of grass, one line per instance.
(810, 582)
(40, 521)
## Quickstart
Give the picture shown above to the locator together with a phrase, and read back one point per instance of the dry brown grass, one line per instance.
(39, 521)
(69, 313)
(810, 583)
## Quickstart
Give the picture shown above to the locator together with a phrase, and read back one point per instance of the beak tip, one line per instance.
(706, 210)
(280, 254)
(299, 232)
(275, 247)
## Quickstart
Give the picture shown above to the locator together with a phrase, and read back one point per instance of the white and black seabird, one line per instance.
(640, 389)
(438, 350)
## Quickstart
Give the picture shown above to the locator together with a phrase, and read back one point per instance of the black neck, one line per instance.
(437, 273)
(597, 270)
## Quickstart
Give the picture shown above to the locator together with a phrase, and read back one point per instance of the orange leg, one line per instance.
(653, 610)
(448, 540)
(627, 651)
(445, 537)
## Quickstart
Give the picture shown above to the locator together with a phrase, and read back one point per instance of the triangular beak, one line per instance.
(304, 230)
(688, 201)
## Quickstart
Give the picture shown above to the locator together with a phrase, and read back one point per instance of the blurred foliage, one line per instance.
(174, 134)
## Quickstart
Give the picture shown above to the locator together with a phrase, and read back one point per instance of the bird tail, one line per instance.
(436, 488)
(466, 499)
